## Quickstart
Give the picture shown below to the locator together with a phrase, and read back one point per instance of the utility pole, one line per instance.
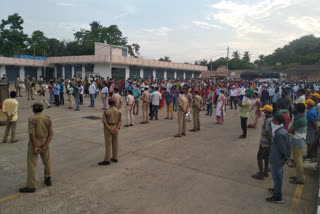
(211, 65)
(228, 61)
(111, 60)
(44, 67)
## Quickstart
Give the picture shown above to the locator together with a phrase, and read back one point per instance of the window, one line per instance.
(124, 52)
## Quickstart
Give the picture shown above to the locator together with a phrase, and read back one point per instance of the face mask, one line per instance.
(275, 127)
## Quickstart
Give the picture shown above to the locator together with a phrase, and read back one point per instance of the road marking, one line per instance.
(10, 197)
(296, 198)
(157, 142)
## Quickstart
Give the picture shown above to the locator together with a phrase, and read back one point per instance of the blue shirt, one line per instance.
(311, 115)
(130, 88)
(61, 87)
(276, 97)
(57, 89)
(136, 93)
(168, 98)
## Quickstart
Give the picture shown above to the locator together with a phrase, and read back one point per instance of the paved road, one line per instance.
(204, 172)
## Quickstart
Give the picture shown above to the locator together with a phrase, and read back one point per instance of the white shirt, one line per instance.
(156, 97)
(142, 86)
(81, 89)
(169, 86)
(233, 92)
(271, 91)
(92, 89)
(104, 90)
(300, 99)
(242, 91)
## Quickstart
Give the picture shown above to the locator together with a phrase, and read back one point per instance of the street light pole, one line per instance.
(228, 61)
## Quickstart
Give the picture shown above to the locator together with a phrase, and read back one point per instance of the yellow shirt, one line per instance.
(11, 107)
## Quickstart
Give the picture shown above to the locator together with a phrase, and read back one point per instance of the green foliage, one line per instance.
(14, 41)
(305, 50)
(165, 59)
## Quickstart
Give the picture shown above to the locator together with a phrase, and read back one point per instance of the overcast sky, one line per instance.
(185, 30)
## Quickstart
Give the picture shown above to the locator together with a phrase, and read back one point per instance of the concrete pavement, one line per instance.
(205, 172)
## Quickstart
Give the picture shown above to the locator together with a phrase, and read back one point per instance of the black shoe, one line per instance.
(104, 163)
(4, 141)
(47, 182)
(258, 176)
(27, 190)
(114, 160)
(274, 200)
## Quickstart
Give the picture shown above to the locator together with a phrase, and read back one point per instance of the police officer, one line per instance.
(29, 86)
(146, 97)
(40, 136)
(196, 108)
(111, 120)
(117, 96)
(183, 109)
(17, 86)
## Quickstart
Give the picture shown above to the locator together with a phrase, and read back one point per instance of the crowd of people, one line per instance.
(280, 103)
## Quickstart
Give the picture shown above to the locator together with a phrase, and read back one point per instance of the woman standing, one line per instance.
(254, 112)
(221, 108)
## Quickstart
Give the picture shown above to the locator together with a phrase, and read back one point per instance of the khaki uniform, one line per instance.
(118, 100)
(182, 103)
(40, 126)
(189, 97)
(146, 97)
(196, 105)
(18, 89)
(112, 116)
(11, 107)
(129, 110)
(33, 83)
(29, 88)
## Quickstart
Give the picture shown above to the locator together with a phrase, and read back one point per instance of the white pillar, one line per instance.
(127, 76)
(184, 75)
(22, 72)
(165, 74)
(55, 72)
(175, 75)
(154, 73)
(2, 70)
(72, 74)
(192, 75)
(200, 75)
(63, 72)
(83, 76)
(39, 73)
(141, 73)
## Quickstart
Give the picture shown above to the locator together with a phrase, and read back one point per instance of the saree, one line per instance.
(254, 113)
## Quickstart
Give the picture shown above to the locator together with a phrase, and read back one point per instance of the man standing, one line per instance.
(233, 95)
(104, 95)
(76, 95)
(264, 96)
(56, 93)
(146, 97)
(40, 135)
(279, 155)
(312, 128)
(92, 93)
(183, 109)
(196, 108)
(265, 144)
(29, 88)
(117, 96)
(175, 95)
(111, 120)
(245, 105)
(70, 91)
(10, 109)
(189, 97)
(209, 102)
(275, 99)
(129, 109)
(156, 97)
(298, 131)
(61, 92)
(136, 95)
(169, 102)
(17, 86)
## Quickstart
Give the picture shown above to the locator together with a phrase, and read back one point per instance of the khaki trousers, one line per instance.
(136, 107)
(111, 140)
(104, 101)
(182, 123)
(32, 158)
(42, 100)
(129, 115)
(145, 112)
(13, 127)
(297, 154)
(70, 98)
(196, 119)
(18, 91)
(30, 93)
(170, 109)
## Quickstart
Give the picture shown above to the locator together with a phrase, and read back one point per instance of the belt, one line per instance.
(112, 124)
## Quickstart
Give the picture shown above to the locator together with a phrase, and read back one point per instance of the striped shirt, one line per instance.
(266, 133)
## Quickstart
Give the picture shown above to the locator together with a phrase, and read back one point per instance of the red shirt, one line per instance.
(286, 120)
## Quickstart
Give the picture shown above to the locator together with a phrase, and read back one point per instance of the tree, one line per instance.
(236, 55)
(165, 59)
(246, 56)
(38, 44)
(12, 39)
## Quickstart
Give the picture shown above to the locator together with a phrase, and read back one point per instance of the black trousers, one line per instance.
(274, 106)
(244, 126)
(56, 99)
(61, 98)
(81, 99)
(233, 100)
